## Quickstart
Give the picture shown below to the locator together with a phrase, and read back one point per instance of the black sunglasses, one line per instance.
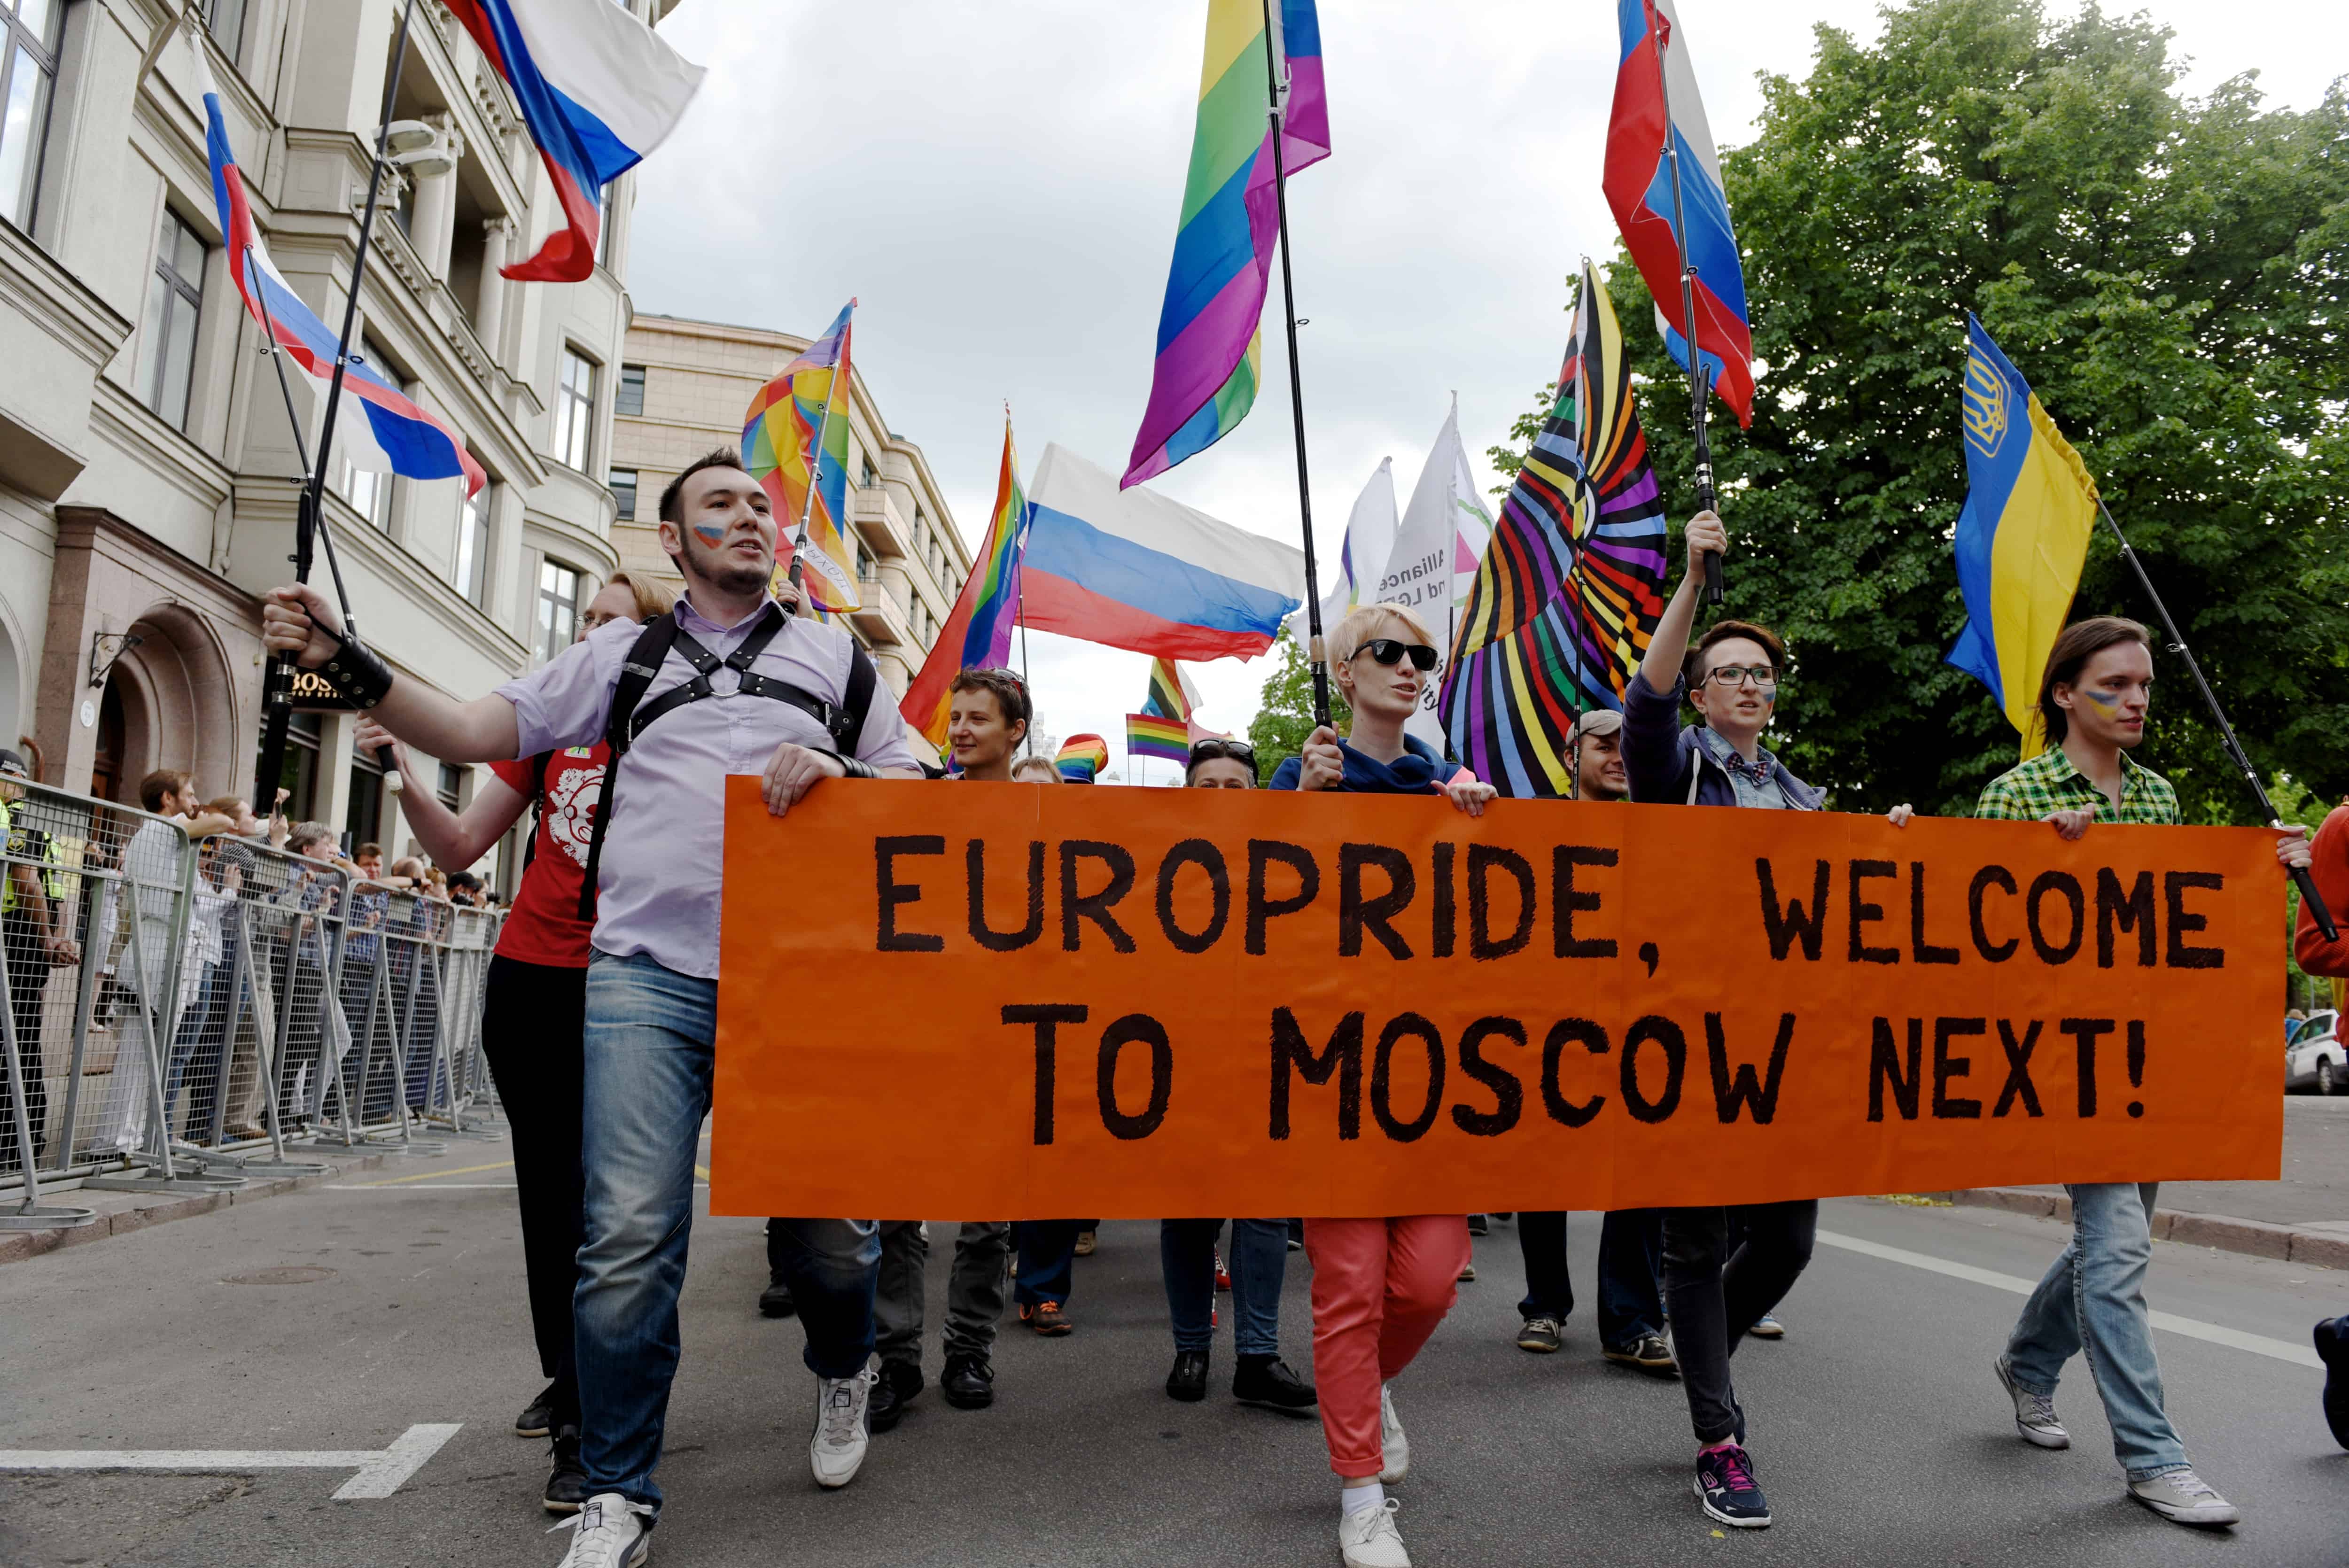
(1387, 651)
(1208, 750)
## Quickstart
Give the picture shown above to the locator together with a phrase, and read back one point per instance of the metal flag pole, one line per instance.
(278, 700)
(2301, 879)
(1705, 500)
(1317, 655)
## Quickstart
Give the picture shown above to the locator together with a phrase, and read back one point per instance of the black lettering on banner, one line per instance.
(2181, 925)
(1445, 912)
(1208, 858)
(1508, 1093)
(1357, 914)
(1567, 902)
(1919, 950)
(1730, 1092)
(1885, 1066)
(2136, 1063)
(2083, 1033)
(1482, 859)
(1341, 1057)
(891, 892)
(1793, 923)
(1987, 878)
(1261, 908)
(1565, 1032)
(1135, 1028)
(1408, 1025)
(2068, 885)
(2018, 1084)
(1666, 1034)
(1947, 1106)
(1047, 1018)
(1094, 906)
(1862, 912)
(2132, 911)
(975, 873)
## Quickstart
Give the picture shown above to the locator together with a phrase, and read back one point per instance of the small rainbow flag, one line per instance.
(778, 433)
(978, 635)
(1152, 735)
(1082, 758)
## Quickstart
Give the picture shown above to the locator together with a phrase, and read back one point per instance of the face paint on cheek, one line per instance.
(710, 534)
(2106, 702)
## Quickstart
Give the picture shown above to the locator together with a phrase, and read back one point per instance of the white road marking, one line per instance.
(381, 1471)
(2193, 1329)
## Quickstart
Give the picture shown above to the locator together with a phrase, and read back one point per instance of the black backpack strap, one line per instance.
(864, 679)
(645, 659)
(538, 766)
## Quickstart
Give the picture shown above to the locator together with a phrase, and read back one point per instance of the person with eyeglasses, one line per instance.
(1380, 1285)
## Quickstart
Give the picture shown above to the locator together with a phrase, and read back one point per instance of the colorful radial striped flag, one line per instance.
(1571, 586)
(978, 635)
(779, 431)
(1210, 343)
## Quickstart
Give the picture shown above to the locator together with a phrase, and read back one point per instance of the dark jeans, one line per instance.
(1717, 1294)
(199, 1054)
(1630, 1252)
(1048, 1257)
(28, 973)
(974, 1289)
(1187, 1257)
(533, 1016)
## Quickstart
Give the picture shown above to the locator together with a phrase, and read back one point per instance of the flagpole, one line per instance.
(815, 470)
(1697, 391)
(1317, 655)
(2313, 900)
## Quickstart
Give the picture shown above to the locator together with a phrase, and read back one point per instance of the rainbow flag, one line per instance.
(1171, 695)
(1210, 340)
(1155, 735)
(779, 433)
(978, 635)
(1082, 758)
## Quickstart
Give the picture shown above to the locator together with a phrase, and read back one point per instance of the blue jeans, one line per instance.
(1630, 1252)
(1186, 1256)
(648, 1049)
(1048, 1259)
(201, 1045)
(2093, 1299)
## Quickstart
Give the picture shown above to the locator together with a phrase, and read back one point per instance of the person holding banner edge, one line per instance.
(652, 983)
(2329, 865)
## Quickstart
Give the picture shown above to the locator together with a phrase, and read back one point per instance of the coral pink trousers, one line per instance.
(1379, 1287)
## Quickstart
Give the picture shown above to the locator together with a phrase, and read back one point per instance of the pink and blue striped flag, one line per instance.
(598, 90)
(1210, 340)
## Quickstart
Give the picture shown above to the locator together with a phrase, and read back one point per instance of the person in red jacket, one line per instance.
(2330, 867)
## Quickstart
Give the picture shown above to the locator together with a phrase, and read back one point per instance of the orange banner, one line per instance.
(1017, 1002)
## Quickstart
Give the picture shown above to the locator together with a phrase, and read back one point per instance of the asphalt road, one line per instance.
(1876, 1426)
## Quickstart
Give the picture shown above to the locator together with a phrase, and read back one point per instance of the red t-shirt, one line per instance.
(544, 926)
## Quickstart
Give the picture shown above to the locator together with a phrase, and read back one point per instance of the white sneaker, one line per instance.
(836, 1452)
(612, 1533)
(1369, 1539)
(2035, 1414)
(1392, 1445)
(2185, 1497)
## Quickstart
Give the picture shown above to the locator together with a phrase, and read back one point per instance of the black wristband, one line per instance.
(851, 767)
(355, 671)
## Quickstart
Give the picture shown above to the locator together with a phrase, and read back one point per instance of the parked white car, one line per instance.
(2313, 1057)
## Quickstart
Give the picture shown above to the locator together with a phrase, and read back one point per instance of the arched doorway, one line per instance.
(169, 702)
(105, 768)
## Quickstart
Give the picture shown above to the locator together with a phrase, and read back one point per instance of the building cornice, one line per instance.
(38, 287)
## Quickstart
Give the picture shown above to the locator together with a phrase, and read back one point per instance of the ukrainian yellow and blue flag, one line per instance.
(2030, 508)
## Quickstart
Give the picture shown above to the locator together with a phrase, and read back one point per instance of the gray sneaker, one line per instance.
(1539, 1334)
(2184, 1497)
(2035, 1414)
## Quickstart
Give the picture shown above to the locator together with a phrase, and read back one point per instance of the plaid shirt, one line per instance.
(2049, 782)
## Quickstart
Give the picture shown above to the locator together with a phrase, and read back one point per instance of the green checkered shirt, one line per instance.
(2049, 782)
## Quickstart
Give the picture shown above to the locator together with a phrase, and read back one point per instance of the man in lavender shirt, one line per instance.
(652, 984)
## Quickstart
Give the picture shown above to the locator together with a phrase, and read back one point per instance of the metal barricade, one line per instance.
(464, 984)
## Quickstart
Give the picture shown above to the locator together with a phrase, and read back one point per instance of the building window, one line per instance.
(575, 409)
(363, 821)
(558, 607)
(167, 342)
(452, 780)
(471, 562)
(225, 21)
(630, 397)
(869, 479)
(299, 775)
(29, 31)
(624, 492)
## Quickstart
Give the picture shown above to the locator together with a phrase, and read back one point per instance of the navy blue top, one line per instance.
(1419, 771)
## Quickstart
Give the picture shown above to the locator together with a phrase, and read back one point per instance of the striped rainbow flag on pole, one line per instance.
(1151, 735)
(1210, 342)
(790, 418)
(978, 635)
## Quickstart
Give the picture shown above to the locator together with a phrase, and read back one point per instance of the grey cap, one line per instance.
(13, 764)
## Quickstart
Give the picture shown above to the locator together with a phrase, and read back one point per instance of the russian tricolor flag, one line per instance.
(376, 427)
(598, 91)
(1638, 185)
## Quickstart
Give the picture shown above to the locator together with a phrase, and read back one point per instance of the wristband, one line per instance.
(355, 671)
(851, 767)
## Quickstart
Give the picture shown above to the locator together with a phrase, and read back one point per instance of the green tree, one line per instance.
(2170, 274)
(1284, 717)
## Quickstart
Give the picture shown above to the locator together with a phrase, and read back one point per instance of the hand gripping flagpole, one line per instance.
(1705, 500)
(309, 518)
(1318, 656)
(2301, 879)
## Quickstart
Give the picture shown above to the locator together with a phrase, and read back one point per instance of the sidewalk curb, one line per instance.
(2259, 1239)
(18, 1245)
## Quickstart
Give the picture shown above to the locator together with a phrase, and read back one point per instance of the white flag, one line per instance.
(1369, 535)
(1445, 518)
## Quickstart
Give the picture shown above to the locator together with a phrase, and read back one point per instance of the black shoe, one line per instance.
(567, 1483)
(775, 1301)
(1188, 1380)
(900, 1382)
(968, 1382)
(538, 1416)
(2332, 1349)
(1478, 1225)
(1267, 1380)
(1725, 1485)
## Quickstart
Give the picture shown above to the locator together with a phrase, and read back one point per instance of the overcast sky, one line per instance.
(999, 185)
